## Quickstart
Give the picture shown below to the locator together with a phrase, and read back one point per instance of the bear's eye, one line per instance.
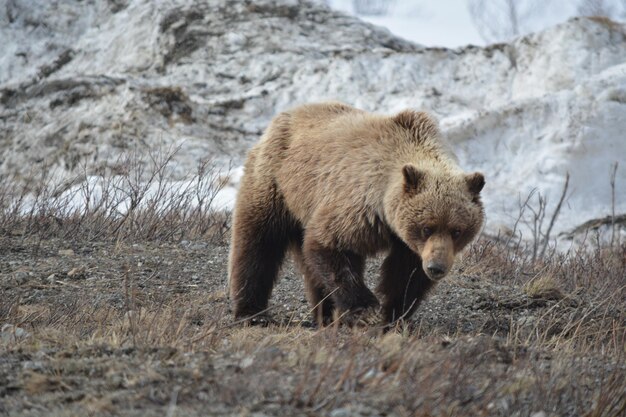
(455, 233)
(427, 231)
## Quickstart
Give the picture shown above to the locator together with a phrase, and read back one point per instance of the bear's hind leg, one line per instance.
(403, 283)
(258, 246)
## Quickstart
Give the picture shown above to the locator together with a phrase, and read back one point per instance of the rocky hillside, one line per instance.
(83, 82)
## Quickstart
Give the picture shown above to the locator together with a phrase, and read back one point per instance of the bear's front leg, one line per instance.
(341, 274)
(321, 302)
(403, 282)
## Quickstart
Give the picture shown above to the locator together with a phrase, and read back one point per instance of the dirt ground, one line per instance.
(144, 329)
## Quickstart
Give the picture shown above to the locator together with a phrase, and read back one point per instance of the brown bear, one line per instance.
(334, 184)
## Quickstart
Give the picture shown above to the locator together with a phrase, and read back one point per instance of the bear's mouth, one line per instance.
(435, 271)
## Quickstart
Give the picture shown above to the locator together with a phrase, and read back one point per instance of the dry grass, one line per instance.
(128, 339)
(121, 318)
(544, 287)
(586, 289)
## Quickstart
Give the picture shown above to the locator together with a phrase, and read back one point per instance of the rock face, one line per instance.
(83, 82)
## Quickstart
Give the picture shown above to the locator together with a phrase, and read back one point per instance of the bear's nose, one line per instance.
(435, 269)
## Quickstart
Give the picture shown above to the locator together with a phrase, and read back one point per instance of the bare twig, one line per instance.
(614, 242)
(555, 214)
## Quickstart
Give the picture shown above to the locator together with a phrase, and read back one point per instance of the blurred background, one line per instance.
(532, 93)
(453, 23)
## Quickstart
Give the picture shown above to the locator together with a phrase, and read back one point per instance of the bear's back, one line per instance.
(307, 123)
(329, 158)
(336, 157)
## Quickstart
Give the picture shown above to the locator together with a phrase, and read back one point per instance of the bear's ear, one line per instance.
(413, 178)
(420, 124)
(475, 182)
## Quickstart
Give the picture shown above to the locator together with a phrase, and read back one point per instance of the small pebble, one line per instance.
(10, 333)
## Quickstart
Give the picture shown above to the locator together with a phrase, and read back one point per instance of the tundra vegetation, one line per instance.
(119, 307)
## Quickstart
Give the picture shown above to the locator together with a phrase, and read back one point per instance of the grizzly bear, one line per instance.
(334, 185)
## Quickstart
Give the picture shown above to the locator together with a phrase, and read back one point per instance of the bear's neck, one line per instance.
(431, 156)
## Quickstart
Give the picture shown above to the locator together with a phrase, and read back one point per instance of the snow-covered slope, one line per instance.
(82, 82)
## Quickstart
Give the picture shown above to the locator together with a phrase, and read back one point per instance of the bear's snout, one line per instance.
(435, 270)
(438, 256)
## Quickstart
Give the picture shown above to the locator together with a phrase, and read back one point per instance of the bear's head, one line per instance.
(436, 215)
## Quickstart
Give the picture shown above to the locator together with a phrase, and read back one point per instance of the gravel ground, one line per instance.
(145, 329)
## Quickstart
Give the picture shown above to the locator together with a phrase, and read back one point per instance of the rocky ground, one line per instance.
(143, 328)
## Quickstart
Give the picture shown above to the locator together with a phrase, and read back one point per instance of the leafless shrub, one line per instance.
(501, 20)
(614, 235)
(541, 237)
(532, 216)
(597, 8)
(603, 11)
(138, 199)
(372, 7)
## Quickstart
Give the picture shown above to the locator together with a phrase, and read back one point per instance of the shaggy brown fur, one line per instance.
(335, 184)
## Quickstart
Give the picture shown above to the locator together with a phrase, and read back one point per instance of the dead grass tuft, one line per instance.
(545, 287)
(37, 384)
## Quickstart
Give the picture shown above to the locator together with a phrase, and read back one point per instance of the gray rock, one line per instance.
(10, 333)
(341, 412)
(33, 365)
(354, 411)
(21, 277)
